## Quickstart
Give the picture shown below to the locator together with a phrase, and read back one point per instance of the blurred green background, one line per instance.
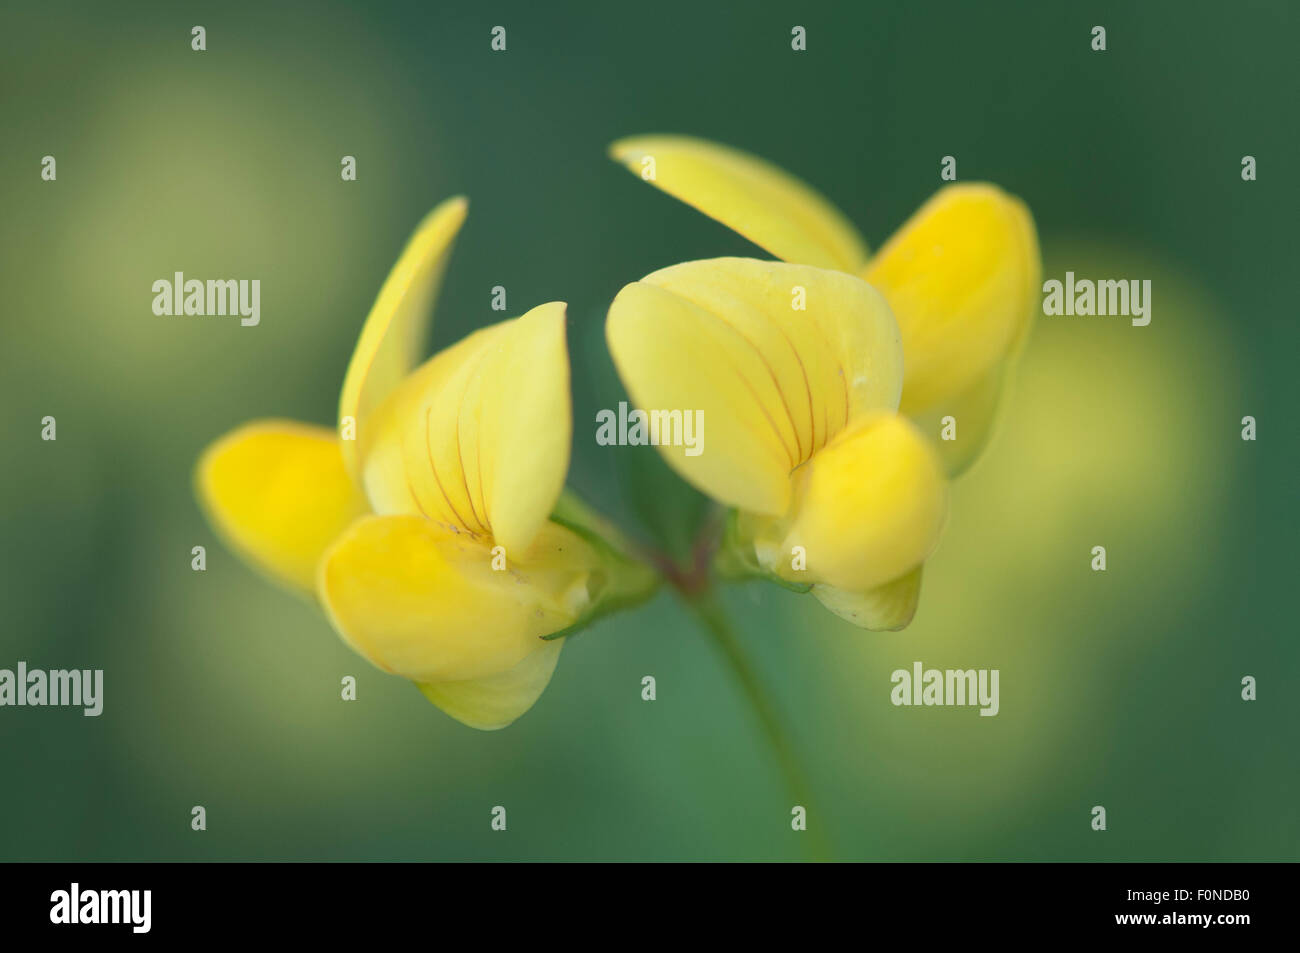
(1120, 689)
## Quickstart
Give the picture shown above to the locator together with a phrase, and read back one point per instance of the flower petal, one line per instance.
(525, 425)
(973, 412)
(478, 438)
(773, 383)
(491, 703)
(277, 491)
(770, 207)
(961, 277)
(393, 336)
(426, 603)
(869, 507)
(886, 608)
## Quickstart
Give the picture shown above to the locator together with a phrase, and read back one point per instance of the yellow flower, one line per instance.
(424, 524)
(832, 489)
(960, 276)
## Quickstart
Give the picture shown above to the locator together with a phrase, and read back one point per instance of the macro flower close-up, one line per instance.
(960, 276)
(832, 489)
(424, 524)
(849, 432)
(802, 367)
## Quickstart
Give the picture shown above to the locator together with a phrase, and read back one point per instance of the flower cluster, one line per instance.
(433, 527)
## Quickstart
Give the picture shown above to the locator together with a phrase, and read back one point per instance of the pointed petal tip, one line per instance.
(453, 205)
(633, 147)
(490, 704)
(756, 199)
(887, 608)
(395, 329)
(554, 310)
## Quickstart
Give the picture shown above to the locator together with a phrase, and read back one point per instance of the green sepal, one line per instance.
(622, 582)
(737, 560)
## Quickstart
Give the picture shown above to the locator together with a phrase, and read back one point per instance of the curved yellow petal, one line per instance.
(869, 507)
(973, 414)
(525, 425)
(889, 607)
(277, 491)
(777, 359)
(412, 459)
(478, 438)
(394, 334)
(425, 603)
(492, 703)
(770, 207)
(961, 277)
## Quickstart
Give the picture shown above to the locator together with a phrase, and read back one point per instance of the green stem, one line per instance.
(710, 611)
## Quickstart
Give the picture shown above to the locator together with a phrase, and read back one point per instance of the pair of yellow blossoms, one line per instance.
(433, 525)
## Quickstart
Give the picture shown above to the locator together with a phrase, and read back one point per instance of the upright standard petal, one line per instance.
(868, 509)
(429, 605)
(776, 358)
(770, 207)
(395, 332)
(277, 491)
(961, 277)
(478, 438)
